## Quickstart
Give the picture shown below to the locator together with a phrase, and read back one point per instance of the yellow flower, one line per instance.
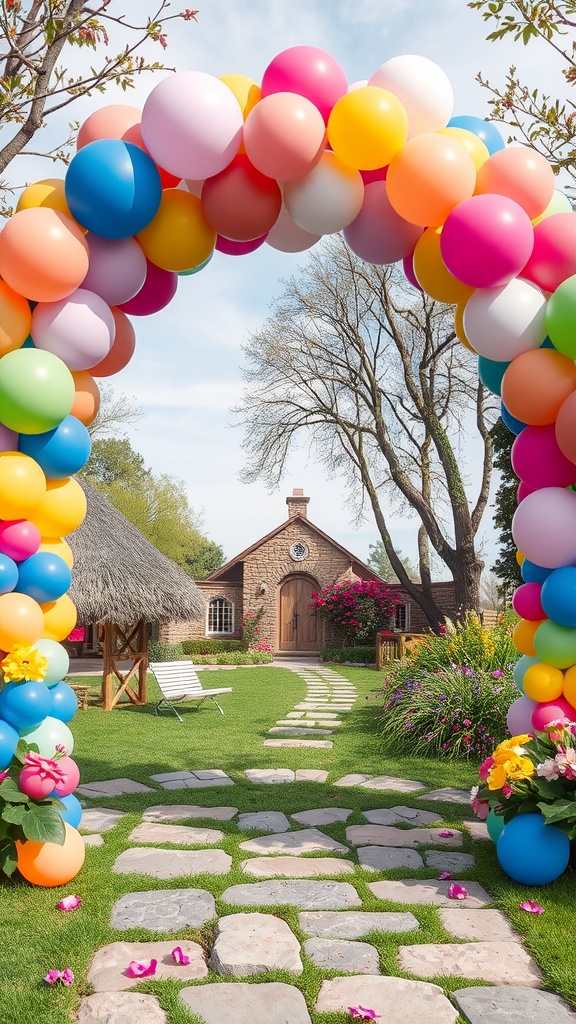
(23, 663)
(520, 768)
(497, 777)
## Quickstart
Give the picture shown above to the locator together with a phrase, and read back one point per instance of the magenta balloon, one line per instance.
(523, 491)
(538, 461)
(310, 72)
(8, 439)
(158, 290)
(408, 268)
(543, 714)
(117, 268)
(19, 539)
(553, 258)
(486, 241)
(544, 527)
(379, 234)
(519, 717)
(527, 602)
(231, 248)
(369, 177)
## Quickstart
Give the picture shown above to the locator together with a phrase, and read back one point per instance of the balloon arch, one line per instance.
(231, 165)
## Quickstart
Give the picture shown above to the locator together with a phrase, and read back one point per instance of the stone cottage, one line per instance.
(279, 572)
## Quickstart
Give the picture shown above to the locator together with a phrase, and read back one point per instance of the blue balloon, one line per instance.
(520, 669)
(532, 852)
(25, 705)
(559, 596)
(547, 344)
(491, 372)
(532, 573)
(73, 813)
(64, 702)
(485, 130)
(8, 743)
(44, 577)
(8, 574)
(514, 425)
(61, 452)
(113, 188)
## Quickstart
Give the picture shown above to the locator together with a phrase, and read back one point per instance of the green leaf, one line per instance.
(8, 857)
(560, 810)
(14, 814)
(11, 794)
(44, 825)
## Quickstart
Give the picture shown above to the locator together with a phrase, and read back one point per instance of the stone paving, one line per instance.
(327, 693)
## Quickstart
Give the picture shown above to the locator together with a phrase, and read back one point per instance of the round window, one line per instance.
(299, 551)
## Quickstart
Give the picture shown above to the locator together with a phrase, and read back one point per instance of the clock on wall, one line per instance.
(299, 551)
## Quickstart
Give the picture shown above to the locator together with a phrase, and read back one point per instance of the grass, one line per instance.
(132, 742)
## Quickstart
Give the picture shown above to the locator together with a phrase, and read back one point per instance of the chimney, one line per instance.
(297, 504)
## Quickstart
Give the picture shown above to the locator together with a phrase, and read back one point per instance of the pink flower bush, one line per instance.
(360, 608)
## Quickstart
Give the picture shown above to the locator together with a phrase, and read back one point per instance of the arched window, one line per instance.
(220, 616)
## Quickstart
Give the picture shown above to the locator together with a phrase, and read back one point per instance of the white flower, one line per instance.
(549, 769)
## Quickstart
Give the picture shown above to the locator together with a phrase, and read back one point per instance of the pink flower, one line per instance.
(445, 834)
(480, 806)
(136, 970)
(53, 976)
(566, 761)
(180, 957)
(485, 767)
(457, 892)
(66, 976)
(363, 1013)
(548, 769)
(45, 766)
(4, 775)
(70, 903)
(444, 876)
(531, 907)
(507, 791)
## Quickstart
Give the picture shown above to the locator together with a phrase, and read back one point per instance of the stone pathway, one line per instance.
(328, 696)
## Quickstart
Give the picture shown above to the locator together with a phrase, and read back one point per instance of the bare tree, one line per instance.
(369, 374)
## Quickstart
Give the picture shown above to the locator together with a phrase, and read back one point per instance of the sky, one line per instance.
(186, 371)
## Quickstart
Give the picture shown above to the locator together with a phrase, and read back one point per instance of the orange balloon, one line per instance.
(57, 546)
(429, 177)
(62, 510)
(459, 325)
(15, 319)
(110, 122)
(87, 400)
(22, 485)
(520, 173)
(48, 864)
(536, 384)
(570, 685)
(179, 237)
(432, 273)
(21, 620)
(523, 636)
(520, 558)
(478, 151)
(43, 254)
(59, 618)
(566, 427)
(122, 347)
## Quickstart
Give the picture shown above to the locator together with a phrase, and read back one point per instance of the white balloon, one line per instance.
(286, 236)
(117, 268)
(194, 187)
(544, 527)
(358, 85)
(326, 199)
(422, 87)
(79, 329)
(502, 323)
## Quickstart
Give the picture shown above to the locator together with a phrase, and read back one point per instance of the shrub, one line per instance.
(454, 712)
(235, 658)
(251, 637)
(360, 609)
(164, 652)
(464, 643)
(210, 646)
(366, 654)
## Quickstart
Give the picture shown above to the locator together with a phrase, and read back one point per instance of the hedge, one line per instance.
(164, 652)
(211, 646)
(364, 654)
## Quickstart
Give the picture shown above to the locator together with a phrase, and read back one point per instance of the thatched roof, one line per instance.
(120, 577)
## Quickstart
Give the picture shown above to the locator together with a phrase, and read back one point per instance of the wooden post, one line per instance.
(124, 643)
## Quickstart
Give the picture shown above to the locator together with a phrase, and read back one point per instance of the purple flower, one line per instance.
(457, 892)
(445, 834)
(181, 959)
(136, 970)
(531, 907)
(70, 903)
(498, 673)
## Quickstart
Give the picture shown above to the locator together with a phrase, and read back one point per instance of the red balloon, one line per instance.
(134, 135)
(241, 203)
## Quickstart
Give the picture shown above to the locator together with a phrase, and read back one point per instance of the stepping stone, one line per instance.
(448, 795)
(322, 815)
(388, 782)
(394, 999)
(478, 925)
(387, 835)
(306, 840)
(408, 815)
(295, 714)
(171, 863)
(512, 1005)
(93, 840)
(383, 858)
(107, 972)
(454, 862)
(269, 776)
(310, 714)
(502, 963)
(355, 924)
(119, 1007)
(304, 726)
(182, 812)
(352, 780)
(196, 783)
(112, 787)
(306, 707)
(280, 730)
(171, 776)
(210, 773)
(296, 867)
(339, 955)
(429, 891)
(99, 819)
(264, 821)
(477, 829)
(253, 944)
(306, 895)
(311, 775)
(269, 1003)
(163, 910)
(298, 743)
(179, 835)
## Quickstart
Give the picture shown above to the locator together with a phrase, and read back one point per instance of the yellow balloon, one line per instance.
(179, 237)
(57, 546)
(432, 273)
(543, 682)
(520, 558)
(59, 618)
(22, 485)
(459, 325)
(62, 509)
(49, 193)
(569, 689)
(367, 128)
(245, 89)
(476, 148)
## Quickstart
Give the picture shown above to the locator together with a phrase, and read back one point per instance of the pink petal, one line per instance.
(457, 892)
(445, 834)
(67, 976)
(53, 976)
(180, 957)
(444, 876)
(136, 970)
(70, 903)
(532, 907)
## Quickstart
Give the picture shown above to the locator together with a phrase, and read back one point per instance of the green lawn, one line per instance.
(132, 742)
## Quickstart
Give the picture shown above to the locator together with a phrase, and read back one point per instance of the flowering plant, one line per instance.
(250, 630)
(23, 663)
(532, 773)
(360, 608)
(22, 816)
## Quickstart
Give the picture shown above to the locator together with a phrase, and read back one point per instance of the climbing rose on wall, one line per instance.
(360, 609)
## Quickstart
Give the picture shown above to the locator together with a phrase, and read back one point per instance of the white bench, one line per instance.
(179, 679)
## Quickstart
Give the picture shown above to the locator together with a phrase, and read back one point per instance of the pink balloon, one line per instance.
(284, 136)
(158, 290)
(79, 329)
(72, 777)
(232, 248)
(538, 461)
(519, 717)
(544, 527)
(379, 234)
(553, 258)
(526, 602)
(8, 439)
(19, 539)
(287, 236)
(117, 268)
(369, 177)
(486, 241)
(408, 268)
(543, 714)
(523, 491)
(310, 72)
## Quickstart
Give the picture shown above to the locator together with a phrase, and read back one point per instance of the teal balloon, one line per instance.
(491, 374)
(36, 391)
(495, 824)
(555, 645)
(58, 661)
(48, 735)
(561, 318)
(521, 667)
(195, 270)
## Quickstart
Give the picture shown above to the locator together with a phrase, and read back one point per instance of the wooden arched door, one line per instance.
(300, 628)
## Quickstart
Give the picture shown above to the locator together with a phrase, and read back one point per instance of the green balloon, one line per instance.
(36, 391)
(48, 735)
(58, 661)
(495, 824)
(555, 645)
(561, 318)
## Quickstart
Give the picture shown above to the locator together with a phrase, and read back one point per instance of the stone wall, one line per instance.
(176, 632)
